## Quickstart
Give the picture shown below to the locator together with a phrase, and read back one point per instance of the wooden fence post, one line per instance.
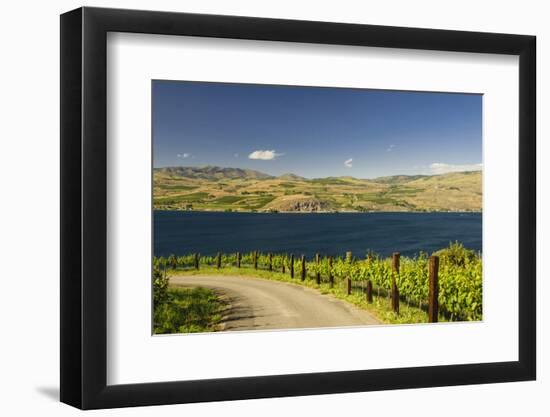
(291, 266)
(219, 260)
(330, 276)
(369, 291)
(433, 303)
(394, 290)
(238, 259)
(270, 262)
(318, 275)
(256, 259)
(197, 260)
(349, 260)
(303, 272)
(369, 282)
(283, 264)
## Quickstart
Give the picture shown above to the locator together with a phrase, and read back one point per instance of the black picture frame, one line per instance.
(84, 207)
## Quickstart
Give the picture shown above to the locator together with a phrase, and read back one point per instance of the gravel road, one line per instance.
(258, 304)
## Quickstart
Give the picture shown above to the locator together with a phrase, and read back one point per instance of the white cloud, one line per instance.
(184, 155)
(348, 163)
(390, 148)
(442, 168)
(264, 155)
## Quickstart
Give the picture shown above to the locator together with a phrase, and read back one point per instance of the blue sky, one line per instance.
(315, 132)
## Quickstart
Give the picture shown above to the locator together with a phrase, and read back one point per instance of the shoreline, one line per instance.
(322, 212)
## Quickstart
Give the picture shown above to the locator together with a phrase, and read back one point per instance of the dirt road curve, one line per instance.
(258, 304)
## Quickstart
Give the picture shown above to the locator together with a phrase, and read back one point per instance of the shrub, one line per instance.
(456, 254)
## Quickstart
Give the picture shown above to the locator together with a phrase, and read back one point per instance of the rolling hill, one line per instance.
(213, 188)
(212, 173)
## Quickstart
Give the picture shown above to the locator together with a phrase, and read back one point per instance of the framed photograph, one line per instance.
(258, 208)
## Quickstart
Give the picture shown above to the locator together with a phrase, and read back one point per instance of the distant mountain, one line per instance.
(291, 177)
(213, 173)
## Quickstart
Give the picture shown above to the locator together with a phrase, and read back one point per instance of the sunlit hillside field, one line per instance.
(232, 189)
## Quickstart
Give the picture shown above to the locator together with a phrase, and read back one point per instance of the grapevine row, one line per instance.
(459, 275)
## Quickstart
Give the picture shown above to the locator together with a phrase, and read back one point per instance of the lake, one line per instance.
(181, 232)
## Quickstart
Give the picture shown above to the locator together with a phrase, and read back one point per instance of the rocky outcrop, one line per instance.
(309, 205)
(299, 204)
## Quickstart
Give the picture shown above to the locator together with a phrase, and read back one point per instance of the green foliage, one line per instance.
(176, 187)
(160, 281)
(460, 275)
(460, 283)
(257, 202)
(456, 254)
(193, 197)
(172, 261)
(228, 199)
(187, 310)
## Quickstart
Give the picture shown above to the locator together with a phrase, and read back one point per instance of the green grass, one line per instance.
(185, 198)
(228, 199)
(404, 191)
(188, 310)
(257, 203)
(368, 196)
(380, 200)
(329, 181)
(380, 307)
(176, 187)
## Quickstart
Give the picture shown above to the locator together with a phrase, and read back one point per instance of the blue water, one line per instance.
(207, 233)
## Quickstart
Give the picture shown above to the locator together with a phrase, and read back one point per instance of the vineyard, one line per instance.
(449, 281)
